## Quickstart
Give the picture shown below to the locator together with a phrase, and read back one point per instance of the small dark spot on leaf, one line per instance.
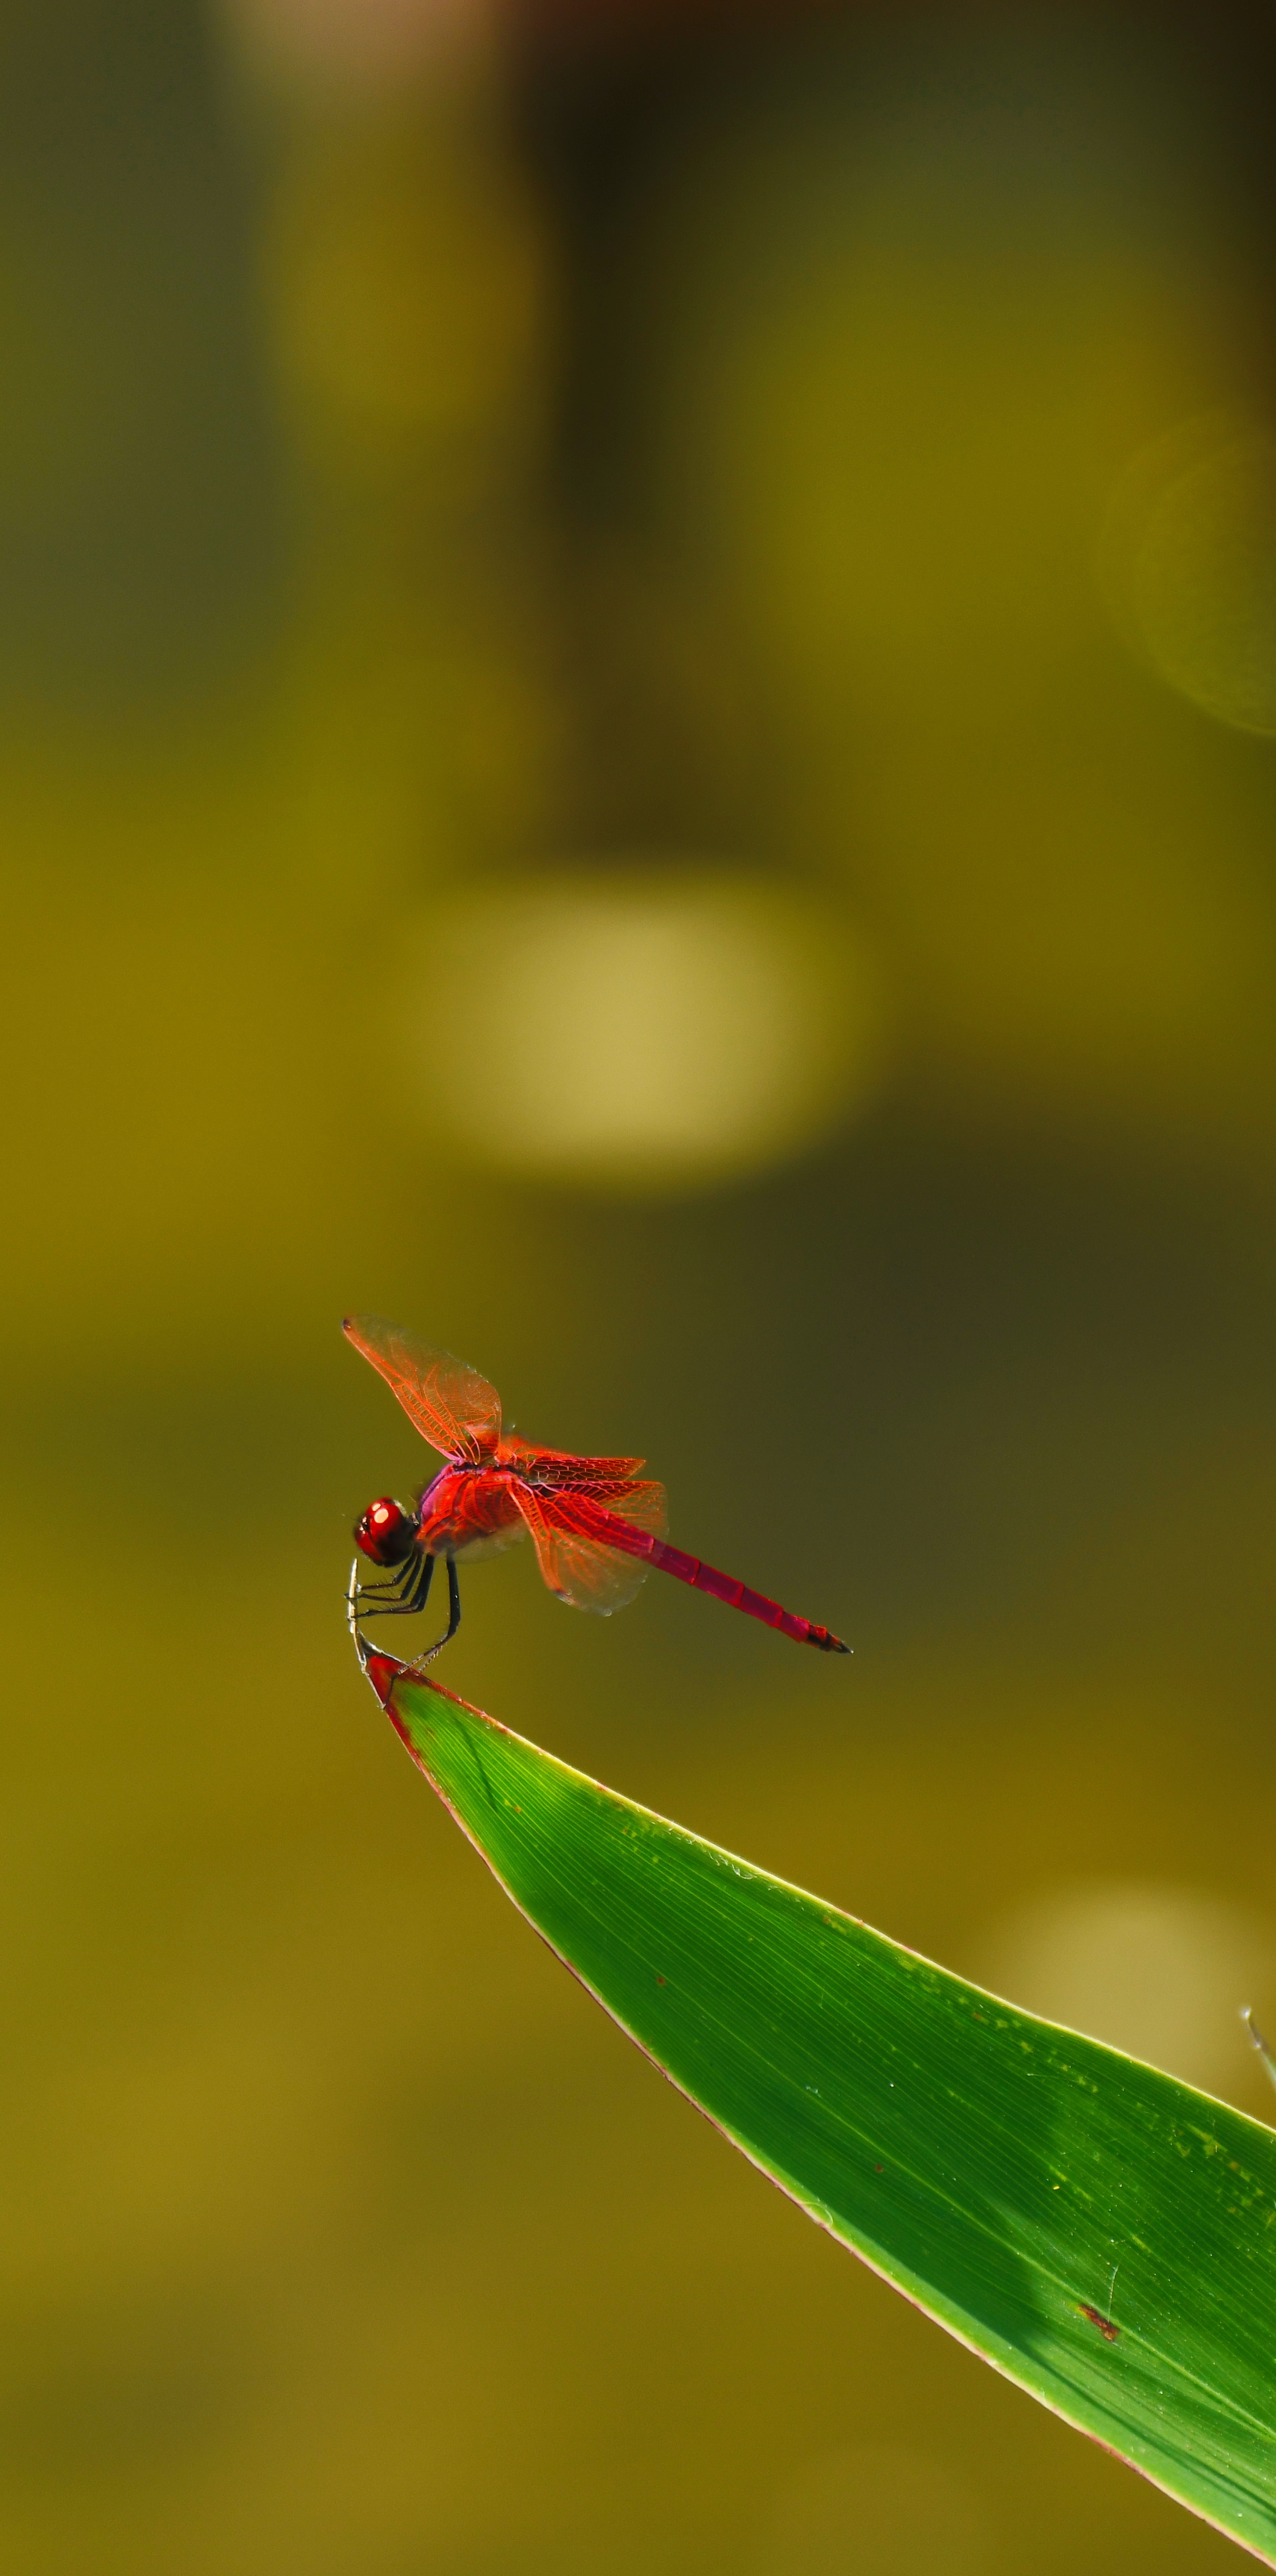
(662, 1981)
(1109, 2332)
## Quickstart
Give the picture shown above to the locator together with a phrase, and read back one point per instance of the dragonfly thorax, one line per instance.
(386, 1532)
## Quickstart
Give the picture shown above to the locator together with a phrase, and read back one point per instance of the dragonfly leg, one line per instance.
(396, 1582)
(369, 1594)
(410, 1592)
(357, 1609)
(403, 1578)
(454, 1619)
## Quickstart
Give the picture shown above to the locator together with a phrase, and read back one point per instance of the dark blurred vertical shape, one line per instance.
(669, 740)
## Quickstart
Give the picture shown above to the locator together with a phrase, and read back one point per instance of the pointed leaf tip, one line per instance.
(383, 1672)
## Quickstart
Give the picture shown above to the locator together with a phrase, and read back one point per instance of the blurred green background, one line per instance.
(637, 698)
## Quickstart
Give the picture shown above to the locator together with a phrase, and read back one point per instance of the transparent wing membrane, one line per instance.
(574, 1562)
(452, 1406)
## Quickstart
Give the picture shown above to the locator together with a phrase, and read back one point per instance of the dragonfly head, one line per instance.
(386, 1532)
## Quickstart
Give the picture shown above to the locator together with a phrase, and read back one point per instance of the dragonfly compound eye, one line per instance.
(385, 1532)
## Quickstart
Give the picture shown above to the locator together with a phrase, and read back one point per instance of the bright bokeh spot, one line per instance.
(358, 46)
(1192, 565)
(642, 1030)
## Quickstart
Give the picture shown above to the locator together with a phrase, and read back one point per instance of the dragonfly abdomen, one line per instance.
(725, 1587)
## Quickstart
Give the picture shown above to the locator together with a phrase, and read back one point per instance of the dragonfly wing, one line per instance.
(452, 1406)
(580, 1568)
(609, 1481)
(641, 1502)
(563, 1467)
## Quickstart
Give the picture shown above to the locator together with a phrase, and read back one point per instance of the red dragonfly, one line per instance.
(596, 1525)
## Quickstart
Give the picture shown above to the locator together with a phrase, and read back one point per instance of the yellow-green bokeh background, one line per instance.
(429, 465)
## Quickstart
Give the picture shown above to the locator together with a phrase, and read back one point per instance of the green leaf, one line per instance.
(994, 2168)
